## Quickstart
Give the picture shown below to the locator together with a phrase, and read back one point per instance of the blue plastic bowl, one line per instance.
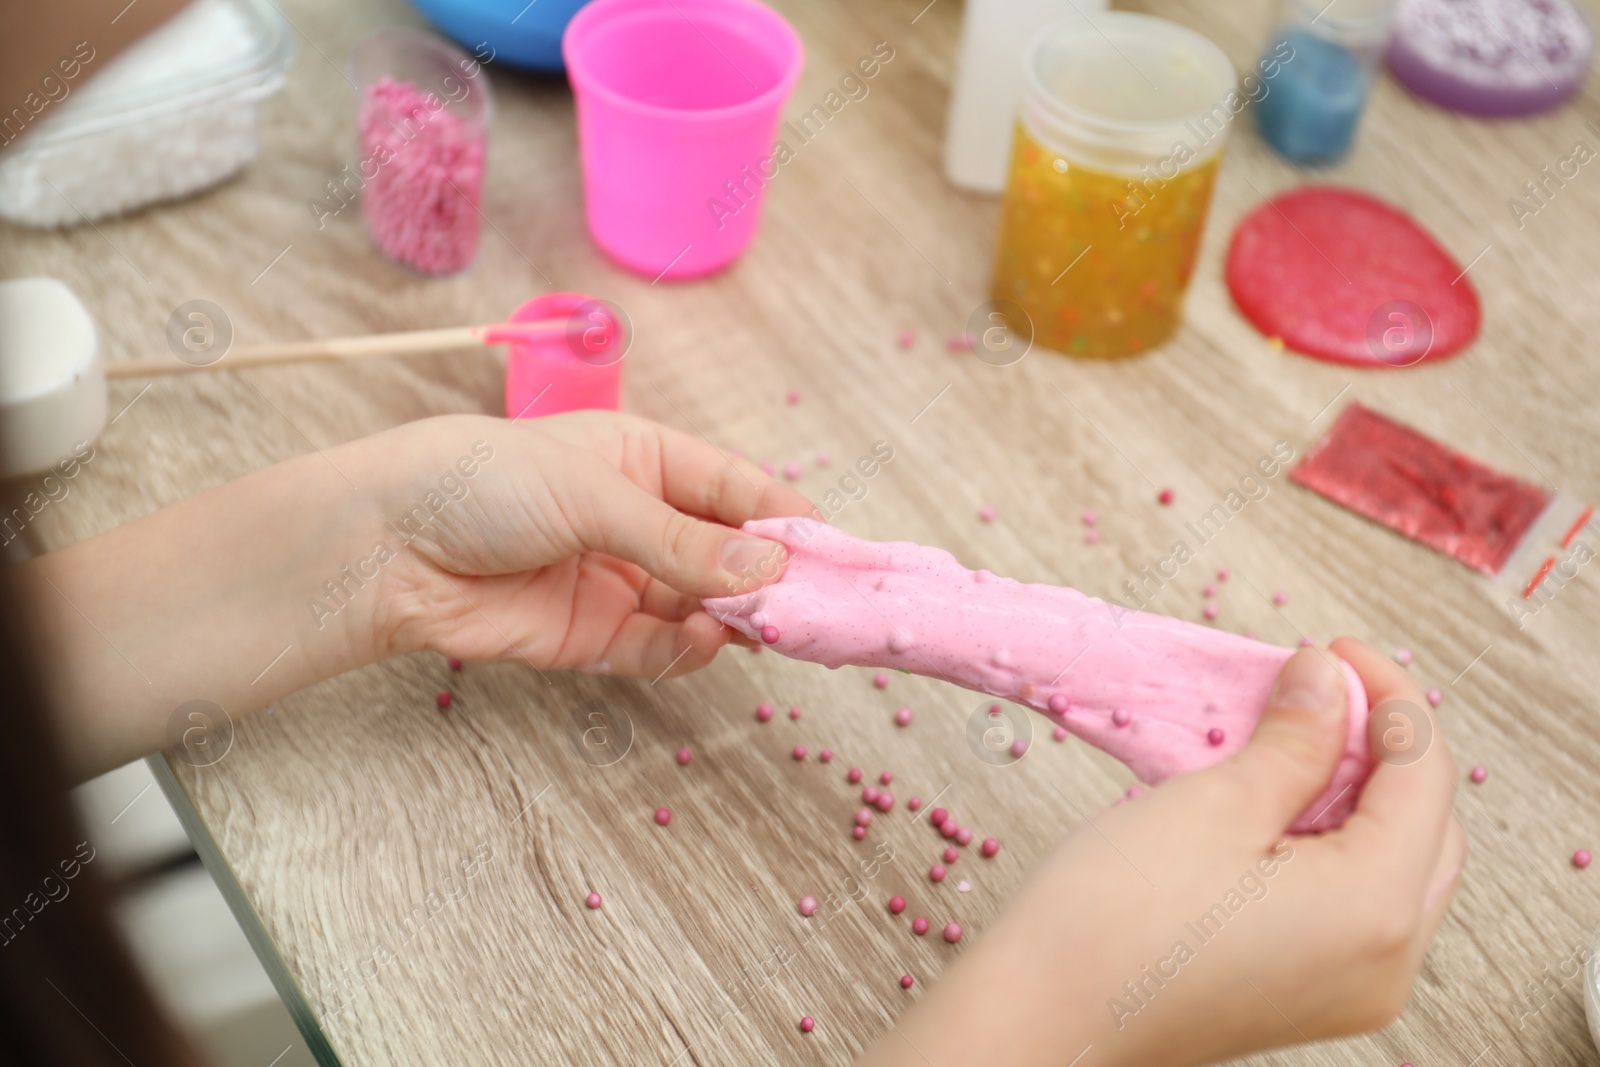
(515, 32)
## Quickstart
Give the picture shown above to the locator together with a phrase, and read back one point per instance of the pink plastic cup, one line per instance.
(678, 104)
(579, 367)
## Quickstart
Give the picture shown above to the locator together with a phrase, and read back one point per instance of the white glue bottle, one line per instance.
(988, 84)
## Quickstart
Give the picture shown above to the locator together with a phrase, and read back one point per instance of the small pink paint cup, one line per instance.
(678, 103)
(577, 368)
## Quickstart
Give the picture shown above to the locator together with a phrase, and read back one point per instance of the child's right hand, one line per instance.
(1183, 928)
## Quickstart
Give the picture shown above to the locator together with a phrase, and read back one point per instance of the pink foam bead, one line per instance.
(963, 836)
(593, 900)
(808, 906)
(897, 904)
(936, 873)
(953, 932)
(919, 926)
(990, 846)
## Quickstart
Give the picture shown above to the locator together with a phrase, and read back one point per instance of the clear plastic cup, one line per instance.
(1123, 121)
(423, 111)
(678, 103)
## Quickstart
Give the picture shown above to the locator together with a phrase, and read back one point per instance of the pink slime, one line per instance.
(1069, 656)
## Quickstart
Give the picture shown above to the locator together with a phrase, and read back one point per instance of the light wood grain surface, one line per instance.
(345, 813)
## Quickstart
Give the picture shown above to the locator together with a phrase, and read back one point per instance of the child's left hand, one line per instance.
(586, 542)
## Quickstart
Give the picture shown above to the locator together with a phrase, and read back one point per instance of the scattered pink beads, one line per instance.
(858, 832)
(1121, 717)
(990, 847)
(906, 981)
(897, 904)
(807, 1024)
(768, 467)
(793, 471)
(684, 756)
(1090, 518)
(936, 873)
(986, 513)
(886, 777)
(1166, 496)
(949, 828)
(1059, 733)
(443, 699)
(823, 459)
(864, 817)
(869, 794)
(593, 900)
(763, 712)
(663, 816)
(1402, 656)
(793, 396)
(421, 205)
(1091, 537)
(902, 717)
(795, 713)
(937, 816)
(1581, 858)
(961, 342)
(1135, 792)
(907, 338)
(953, 932)
(952, 854)
(914, 803)
(769, 634)
(919, 926)
(1215, 736)
(1019, 748)
(1210, 610)
(1435, 698)
(964, 836)
(454, 663)
(1222, 574)
(808, 906)
(880, 680)
(799, 752)
(885, 801)
(853, 775)
(1280, 599)
(1209, 591)
(1479, 774)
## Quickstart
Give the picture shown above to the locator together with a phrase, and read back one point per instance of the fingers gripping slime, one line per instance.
(1153, 691)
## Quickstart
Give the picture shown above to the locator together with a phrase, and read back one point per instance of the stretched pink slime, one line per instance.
(1074, 658)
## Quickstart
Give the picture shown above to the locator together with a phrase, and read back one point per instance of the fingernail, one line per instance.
(1311, 682)
(752, 560)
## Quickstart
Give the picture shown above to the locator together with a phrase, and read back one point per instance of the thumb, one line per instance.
(699, 558)
(1297, 744)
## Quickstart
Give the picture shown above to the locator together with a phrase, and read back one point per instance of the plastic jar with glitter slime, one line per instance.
(1123, 121)
(1326, 57)
(423, 122)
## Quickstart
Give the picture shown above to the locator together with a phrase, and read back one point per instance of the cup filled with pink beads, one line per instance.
(423, 111)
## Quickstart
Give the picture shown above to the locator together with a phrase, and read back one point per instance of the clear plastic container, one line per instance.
(423, 112)
(1325, 57)
(171, 115)
(1124, 118)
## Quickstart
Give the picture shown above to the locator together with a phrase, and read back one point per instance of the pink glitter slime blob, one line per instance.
(421, 205)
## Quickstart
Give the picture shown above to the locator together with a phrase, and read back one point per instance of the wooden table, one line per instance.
(338, 820)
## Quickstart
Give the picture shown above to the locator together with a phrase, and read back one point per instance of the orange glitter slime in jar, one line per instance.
(1111, 179)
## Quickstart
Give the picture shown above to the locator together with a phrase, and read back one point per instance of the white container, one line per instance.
(52, 383)
(988, 84)
(171, 115)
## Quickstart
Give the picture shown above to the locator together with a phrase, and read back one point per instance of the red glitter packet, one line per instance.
(1415, 486)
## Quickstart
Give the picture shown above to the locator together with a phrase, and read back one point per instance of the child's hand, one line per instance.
(1182, 928)
(586, 541)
